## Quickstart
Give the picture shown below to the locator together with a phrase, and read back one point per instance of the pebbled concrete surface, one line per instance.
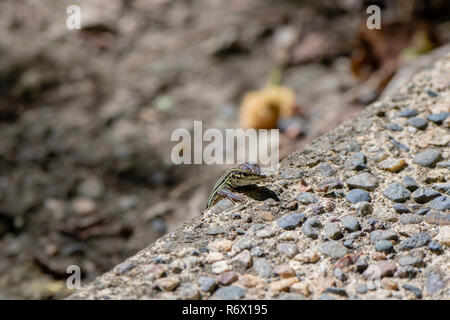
(394, 246)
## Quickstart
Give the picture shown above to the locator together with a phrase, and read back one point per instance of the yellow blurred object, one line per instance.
(262, 109)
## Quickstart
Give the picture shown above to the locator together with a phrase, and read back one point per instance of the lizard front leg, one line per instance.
(227, 193)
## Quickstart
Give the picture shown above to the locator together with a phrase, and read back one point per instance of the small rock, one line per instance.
(282, 285)
(384, 246)
(443, 187)
(435, 247)
(263, 268)
(392, 164)
(308, 256)
(428, 158)
(441, 203)
(361, 264)
(357, 195)
(417, 292)
(410, 261)
(228, 278)
(309, 228)
(435, 217)
(243, 259)
(167, 284)
(317, 208)
(189, 291)
(434, 283)
(229, 293)
(419, 123)
(443, 236)
(350, 223)
(410, 184)
(220, 267)
(337, 291)
(357, 161)
(364, 181)
(306, 198)
(378, 235)
(332, 231)
(381, 269)
(438, 118)
(207, 284)
(339, 274)
(124, 267)
(363, 208)
(422, 211)
(291, 221)
(288, 249)
(416, 241)
(401, 208)
(396, 192)
(300, 287)
(333, 249)
(410, 218)
(424, 195)
(291, 296)
(326, 170)
(284, 271)
(361, 288)
(394, 126)
(408, 113)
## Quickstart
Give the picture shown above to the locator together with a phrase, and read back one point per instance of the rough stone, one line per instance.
(416, 241)
(333, 249)
(396, 192)
(364, 181)
(427, 158)
(357, 195)
(357, 161)
(423, 195)
(306, 198)
(410, 184)
(291, 221)
(350, 223)
(229, 293)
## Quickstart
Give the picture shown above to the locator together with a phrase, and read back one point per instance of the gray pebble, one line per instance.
(394, 126)
(408, 113)
(428, 158)
(438, 118)
(401, 208)
(443, 187)
(384, 246)
(435, 247)
(350, 223)
(361, 288)
(207, 284)
(288, 249)
(337, 291)
(309, 228)
(434, 283)
(326, 170)
(339, 274)
(409, 183)
(357, 161)
(409, 261)
(417, 292)
(443, 164)
(410, 218)
(419, 123)
(357, 195)
(396, 192)
(441, 203)
(363, 208)
(291, 221)
(332, 231)
(291, 296)
(422, 211)
(416, 241)
(188, 291)
(378, 235)
(364, 181)
(333, 249)
(306, 198)
(229, 293)
(263, 268)
(423, 195)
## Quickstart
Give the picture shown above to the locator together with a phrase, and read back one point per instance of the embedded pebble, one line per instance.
(409, 261)
(207, 284)
(378, 235)
(364, 181)
(396, 192)
(309, 228)
(326, 170)
(416, 241)
(291, 221)
(435, 247)
(227, 278)
(363, 208)
(357, 195)
(419, 123)
(284, 271)
(332, 231)
(443, 236)
(229, 293)
(361, 288)
(392, 164)
(423, 195)
(357, 161)
(380, 269)
(333, 249)
(188, 291)
(219, 267)
(438, 118)
(435, 217)
(288, 249)
(434, 283)
(408, 113)
(410, 184)
(383, 246)
(394, 126)
(306, 198)
(417, 292)
(441, 203)
(443, 187)
(427, 158)
(263, 268)
(167, 284)
(401, 208)
(410, 218)
(350, 223)
(243, 259)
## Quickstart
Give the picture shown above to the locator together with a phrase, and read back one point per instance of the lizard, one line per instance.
(241, 175)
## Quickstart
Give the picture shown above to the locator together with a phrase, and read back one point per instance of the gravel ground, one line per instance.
(361, 213)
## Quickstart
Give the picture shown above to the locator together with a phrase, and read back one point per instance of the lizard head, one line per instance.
(248, 173)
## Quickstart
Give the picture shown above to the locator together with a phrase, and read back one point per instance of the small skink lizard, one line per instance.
(241, 175)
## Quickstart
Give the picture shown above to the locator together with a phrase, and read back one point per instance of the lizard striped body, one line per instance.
(241, 175)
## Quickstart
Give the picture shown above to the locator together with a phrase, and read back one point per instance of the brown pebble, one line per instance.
(438, 218)
(228, 278)
(283, 284)
(284, 271)
(380, 269)
(377, 256)
(266, 216)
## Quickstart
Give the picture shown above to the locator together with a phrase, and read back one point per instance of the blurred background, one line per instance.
(86, 115)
